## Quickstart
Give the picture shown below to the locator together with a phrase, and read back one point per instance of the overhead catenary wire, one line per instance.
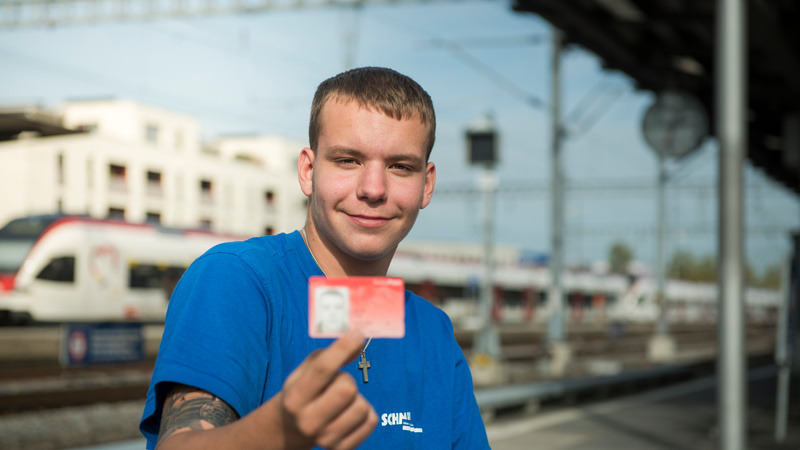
(495, 76)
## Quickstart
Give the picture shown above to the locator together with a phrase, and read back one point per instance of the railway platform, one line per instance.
(682, 416)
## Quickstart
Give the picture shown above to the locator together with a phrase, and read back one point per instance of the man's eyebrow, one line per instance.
(345, 151)
(409, 158)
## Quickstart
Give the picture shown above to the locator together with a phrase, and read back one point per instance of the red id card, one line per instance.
(374, 306)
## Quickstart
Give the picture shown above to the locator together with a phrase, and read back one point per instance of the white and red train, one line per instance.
(58, 268)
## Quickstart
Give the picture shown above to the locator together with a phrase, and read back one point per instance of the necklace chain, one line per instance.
(305, 241)
(364, 350)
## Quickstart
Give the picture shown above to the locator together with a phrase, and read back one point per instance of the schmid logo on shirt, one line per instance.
(400, 419)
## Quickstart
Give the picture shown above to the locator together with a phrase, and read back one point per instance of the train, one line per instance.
(61, 268)
(521, 289)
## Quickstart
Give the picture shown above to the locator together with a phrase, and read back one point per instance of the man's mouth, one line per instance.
(369, 221)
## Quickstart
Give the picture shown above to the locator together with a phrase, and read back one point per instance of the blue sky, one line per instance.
(256, 73)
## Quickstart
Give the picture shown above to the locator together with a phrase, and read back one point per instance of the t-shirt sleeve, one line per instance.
(469, 431)
(214, 337)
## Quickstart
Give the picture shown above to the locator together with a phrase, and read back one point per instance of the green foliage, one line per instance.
(619, 257)
(773, 277)
(685, 266)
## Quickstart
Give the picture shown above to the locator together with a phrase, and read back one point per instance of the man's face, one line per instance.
(367, 180)
(332, 309)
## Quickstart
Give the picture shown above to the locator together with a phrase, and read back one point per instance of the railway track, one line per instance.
(48, 386)
(32, 379)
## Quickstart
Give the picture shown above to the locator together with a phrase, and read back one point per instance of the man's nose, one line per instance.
(372, 187)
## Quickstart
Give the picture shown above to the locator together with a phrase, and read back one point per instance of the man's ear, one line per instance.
(430, 182)
(305, 170)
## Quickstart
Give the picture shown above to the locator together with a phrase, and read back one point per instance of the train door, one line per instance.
(104, 286)
(54, 290)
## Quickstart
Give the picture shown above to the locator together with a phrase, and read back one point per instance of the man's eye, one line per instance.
(402, 167)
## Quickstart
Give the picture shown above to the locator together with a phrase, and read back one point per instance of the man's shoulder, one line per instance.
(260, 254)
(273, 244)
(426, 311)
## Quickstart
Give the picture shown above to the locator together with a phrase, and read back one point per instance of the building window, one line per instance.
(154, 177)
(117, 177)
(60, 167)
(205, 224)
(116, 213)
(153, 218)
(269, 231)
(205, 191)
(153, 182)
(269, 196)
(151, 133)
(117, 171)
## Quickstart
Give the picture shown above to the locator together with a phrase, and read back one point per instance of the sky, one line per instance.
(256, 74)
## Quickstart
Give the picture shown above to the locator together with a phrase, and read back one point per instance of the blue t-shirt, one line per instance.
(237, 325)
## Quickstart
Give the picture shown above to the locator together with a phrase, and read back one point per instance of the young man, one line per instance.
(237, 369)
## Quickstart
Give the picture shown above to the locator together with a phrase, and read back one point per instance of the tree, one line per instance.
(685, 266)
(681, 266)
(772, 278)
(619, 257)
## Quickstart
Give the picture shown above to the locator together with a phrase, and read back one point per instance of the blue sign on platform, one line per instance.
(101, 343)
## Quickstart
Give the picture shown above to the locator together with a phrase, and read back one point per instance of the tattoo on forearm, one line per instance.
(187, 408)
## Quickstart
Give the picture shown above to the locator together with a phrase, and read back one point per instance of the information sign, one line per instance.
(101, 343)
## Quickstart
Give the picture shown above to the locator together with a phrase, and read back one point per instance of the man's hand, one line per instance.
(321, 405)
(318, 406)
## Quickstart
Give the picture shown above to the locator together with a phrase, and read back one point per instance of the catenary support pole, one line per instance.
(732, 133)
(782, 355)
(662, 327)
(555, 298)
(488, 339)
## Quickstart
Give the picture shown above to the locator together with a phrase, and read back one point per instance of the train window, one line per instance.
(60, 269)
(148, 276)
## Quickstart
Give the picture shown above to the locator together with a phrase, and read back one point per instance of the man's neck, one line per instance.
(335, 263)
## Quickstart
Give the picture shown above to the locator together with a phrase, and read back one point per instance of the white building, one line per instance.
(145, 164)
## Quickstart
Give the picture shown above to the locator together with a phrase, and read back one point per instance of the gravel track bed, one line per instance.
(66, 428)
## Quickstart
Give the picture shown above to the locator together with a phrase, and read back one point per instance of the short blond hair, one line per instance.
(392, 93)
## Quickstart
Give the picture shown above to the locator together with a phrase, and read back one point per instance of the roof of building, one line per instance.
(14, 121)
(670, 43)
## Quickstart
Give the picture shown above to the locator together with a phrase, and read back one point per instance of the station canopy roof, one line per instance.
(664, 44)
